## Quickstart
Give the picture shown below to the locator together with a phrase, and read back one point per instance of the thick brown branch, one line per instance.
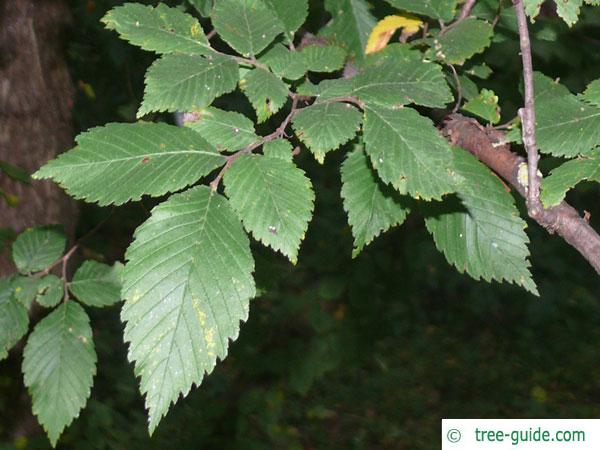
(490, 147)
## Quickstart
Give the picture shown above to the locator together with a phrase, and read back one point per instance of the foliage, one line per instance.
(259, 82)
(59, 363)
(186, 289)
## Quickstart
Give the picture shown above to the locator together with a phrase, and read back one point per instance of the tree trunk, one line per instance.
(36, 97)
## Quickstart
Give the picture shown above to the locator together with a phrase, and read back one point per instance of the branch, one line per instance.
(278, 133)
(63, 261)
(348, 99)
(464, 13)
(458, 89)
(527, 114)
(490, 147)
(248, 61)
(466, 10)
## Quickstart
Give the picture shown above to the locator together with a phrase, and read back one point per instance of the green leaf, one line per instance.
(547, 88)
(225, 130)
(279, 148)
(487, 240)
(25, 289)
(14, 319)
(408, 152)
(566, 176)
(482, 71)
(187, 286)
(121, 162)
(161, 29)
(97, 284)
(202, 6)
(324, 59)
(266, 92)
(568, 10)
(187, 83)
(59, 364)
(291, 13)
(592, 93)
(438, 9)
(514, 133)
(327, 89)
(485, 105)
(248, 26)
(326, 126)
(393, 83)
(273, 198)
(350, 25)
(285, 63)
(469, 37)
(372, 209)
(50, 291)
(532, 7)
(37, 248)
(566, 125)
(468, 88)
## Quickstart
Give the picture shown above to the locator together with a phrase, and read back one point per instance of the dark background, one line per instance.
(369, 353)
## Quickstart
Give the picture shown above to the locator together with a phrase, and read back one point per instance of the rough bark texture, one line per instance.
(488, 146)
(36, 98)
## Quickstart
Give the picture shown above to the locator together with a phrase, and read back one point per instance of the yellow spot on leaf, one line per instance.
(209, 339)
(195, 30)
(136, 296)
(384, 30)
(201, 314)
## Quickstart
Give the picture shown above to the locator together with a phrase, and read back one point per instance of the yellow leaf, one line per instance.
(385, 28)
(87, 89)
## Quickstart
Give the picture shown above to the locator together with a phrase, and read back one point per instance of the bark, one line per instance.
(36, 97)
(489, 146)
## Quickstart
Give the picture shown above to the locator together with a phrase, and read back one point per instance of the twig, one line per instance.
(248, 61)
(464, 13)
(458, 89)
(527, 114)
(349, 99)
(278, 133)
(64, 260)
(211, 34)
(508, 125)
(498, 14)
(65, 263)
(466, 10)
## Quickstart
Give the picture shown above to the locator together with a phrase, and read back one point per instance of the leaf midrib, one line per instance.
(143, 155)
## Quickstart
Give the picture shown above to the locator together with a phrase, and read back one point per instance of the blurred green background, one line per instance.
(369, 353)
